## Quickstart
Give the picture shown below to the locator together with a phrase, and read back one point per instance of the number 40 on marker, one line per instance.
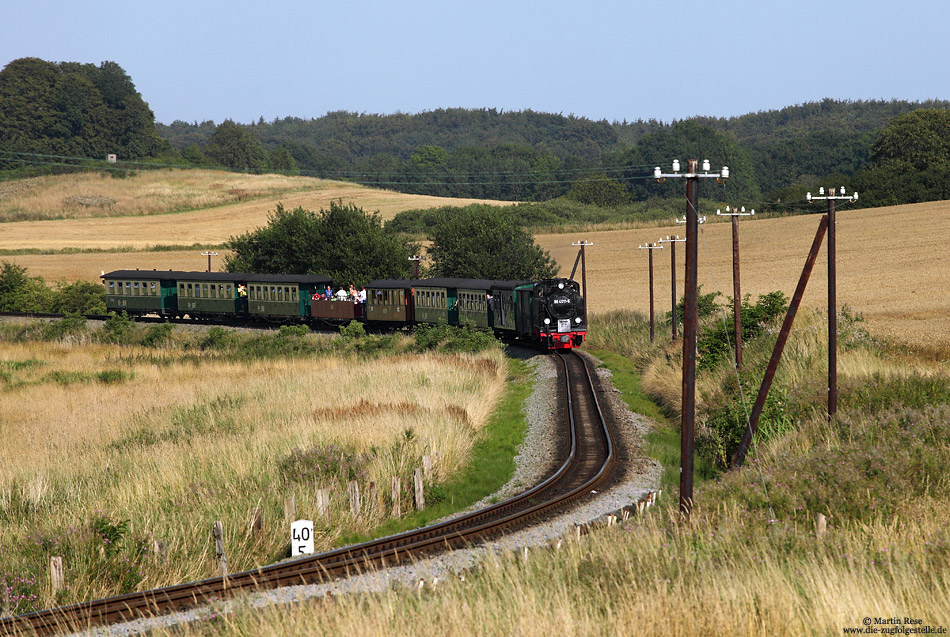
(301, 537)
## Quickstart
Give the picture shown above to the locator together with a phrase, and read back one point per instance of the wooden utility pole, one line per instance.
(209, 254)
(690, 322)
(415, 265)
(832, 295)
(673, 241)
(650, 247)
(583, 244)
(736, 292)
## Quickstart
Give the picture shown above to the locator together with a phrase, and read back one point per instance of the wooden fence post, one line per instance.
(323, 504)
(427, 467)
(290, 508)
(159, 550)
(56, 574)
(372, 496)
(218, 532)
(420, 492)
(821, 525)
(5, 610)
(397, 496)
(257, 522)
(354, 490)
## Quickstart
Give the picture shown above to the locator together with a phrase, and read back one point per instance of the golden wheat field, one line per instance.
(893, 266)
(229, 216)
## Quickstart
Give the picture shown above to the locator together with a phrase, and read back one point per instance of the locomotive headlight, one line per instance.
(578, 320)
(547, 321)
(560, 286)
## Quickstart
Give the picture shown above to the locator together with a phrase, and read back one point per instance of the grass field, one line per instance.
(106, 448)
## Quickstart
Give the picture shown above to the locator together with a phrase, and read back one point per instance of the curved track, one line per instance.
(589, 462)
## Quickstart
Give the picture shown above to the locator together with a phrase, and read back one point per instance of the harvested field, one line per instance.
(207, 226)
(898, 285)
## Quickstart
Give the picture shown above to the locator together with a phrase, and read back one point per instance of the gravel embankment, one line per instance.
(533, 463)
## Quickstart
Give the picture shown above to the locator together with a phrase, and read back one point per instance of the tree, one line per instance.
(485, 242)
(22, 293)
(74, 109)
(343, 242)
(689, 140)
(281, 160)
(599, 191)
(235, 147)
(910, 161)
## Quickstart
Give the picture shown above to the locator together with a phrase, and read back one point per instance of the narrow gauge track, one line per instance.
(589, 463)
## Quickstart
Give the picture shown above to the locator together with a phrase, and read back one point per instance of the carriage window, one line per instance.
(229, 289)
(293, 294)
(111, 287)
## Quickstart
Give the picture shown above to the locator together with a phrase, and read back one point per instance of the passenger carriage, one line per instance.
(275, 296)
(138, 292)
(211, 294)
(390, 301)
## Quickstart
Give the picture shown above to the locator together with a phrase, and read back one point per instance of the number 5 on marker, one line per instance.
(301, 537)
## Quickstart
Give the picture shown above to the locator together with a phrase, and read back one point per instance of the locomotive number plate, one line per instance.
(563, 325)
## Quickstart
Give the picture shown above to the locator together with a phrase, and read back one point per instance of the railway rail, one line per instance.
(589, 462)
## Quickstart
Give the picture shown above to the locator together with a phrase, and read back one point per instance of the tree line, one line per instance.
(775, 156)
(83, 110)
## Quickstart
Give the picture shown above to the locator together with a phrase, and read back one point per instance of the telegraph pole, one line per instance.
(209, 254)
(673, 241)
(650, 247)
(736, 293)
(415, 265)
(831, 197)
(583, 244)
(690, 321)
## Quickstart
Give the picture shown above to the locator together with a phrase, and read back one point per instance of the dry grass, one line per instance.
(654, 577)
(896, 283)
(207, 226)
(174, 444)
(84, 195)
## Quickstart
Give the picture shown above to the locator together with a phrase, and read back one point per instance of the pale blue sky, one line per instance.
(598, 59)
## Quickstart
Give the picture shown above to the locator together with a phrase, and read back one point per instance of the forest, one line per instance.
(56, 115)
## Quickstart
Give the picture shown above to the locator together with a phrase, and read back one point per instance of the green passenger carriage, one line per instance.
(282, 295)
(211, 294)
(389, 301)
(141, 291)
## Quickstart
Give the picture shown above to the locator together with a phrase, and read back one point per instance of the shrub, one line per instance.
(352, 330)
(451, 339)
(69, 325)
(156, 335)
(119, 329)
(321, 464)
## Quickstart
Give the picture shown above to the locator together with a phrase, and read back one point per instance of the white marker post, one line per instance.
(301, 537)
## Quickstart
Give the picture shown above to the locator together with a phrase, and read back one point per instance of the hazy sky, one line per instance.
(613, 60)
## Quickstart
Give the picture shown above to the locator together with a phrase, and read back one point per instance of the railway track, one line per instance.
(588, 463)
